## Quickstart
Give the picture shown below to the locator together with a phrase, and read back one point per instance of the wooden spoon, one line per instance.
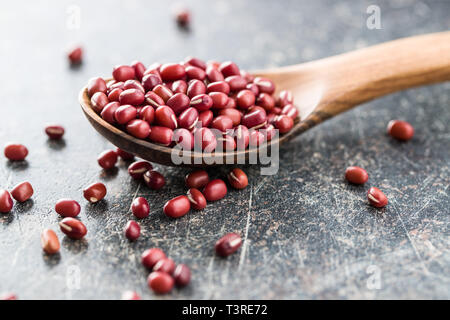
(322, 89)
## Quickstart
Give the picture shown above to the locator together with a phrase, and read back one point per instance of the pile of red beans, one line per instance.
(150, 104)
(180, 103)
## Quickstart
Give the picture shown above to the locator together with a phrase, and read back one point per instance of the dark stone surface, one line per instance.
(307, 233)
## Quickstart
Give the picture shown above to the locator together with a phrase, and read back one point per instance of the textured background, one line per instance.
(307, 233)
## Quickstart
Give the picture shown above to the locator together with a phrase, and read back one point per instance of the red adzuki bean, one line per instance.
(227, 142)
(228, 244)
(132, 230)
(205, 118)
(195, 88)
(197, 199)
(131, 96)
(109, 111)
(107, 159)
(123, 73)
(165, 265)
(197, 179)
(202, 102)
(49, 241)
(255, 118)
(184, 138)
(150, 81)
(290, 110)
(138, 128)
(172, 71)
(151, 256)
(133, 84)
(153, 99)
(22, 192)
(94, 192)
(256, 138)
(356, 175)
(54, 132)
(75, 55)
(264, 85)
(177, 207)
(165, 116)
(183, 17)
(154, 179)
(245, 99)
(214, 74)
(15, 152)
(242, 137)
(6, 202)
(229, 68)
(124, 155)
(236, 83)
(162, 91)
(253, 88)
(140, 208)
(125, 114)
(73, 228)
(182, 275)
(219, 86)
(215, 190)
(400, 130)
(138, 168)
(285, 97)
(205, 139)
(222, 123)
(178, 102)
(67, 208)
(283, 123)
(237, 178)
(219, 99)
(376, 197)
(96, 85)
(192, 61)
(266, 101)
(147, 114)
(160, 282)
(233, 114)
(195, 73)
(188, 118)
(139, 69)
(179, 86)
(99, 100)
(161, 135)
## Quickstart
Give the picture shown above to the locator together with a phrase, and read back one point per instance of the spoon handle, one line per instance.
(324, 88)
(359, 76)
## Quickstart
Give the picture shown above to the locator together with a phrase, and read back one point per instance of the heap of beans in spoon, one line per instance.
(180, 103)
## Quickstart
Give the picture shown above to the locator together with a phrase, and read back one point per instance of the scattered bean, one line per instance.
(49, 241)
(73, 228)
(228, 244)
(94, 192)
(140, 207)
(376, 197)
(237, 178)
(215, 190)
(132, 230)
(177, 207)
(22, 192)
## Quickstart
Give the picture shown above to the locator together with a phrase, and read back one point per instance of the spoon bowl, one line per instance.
(322, 89)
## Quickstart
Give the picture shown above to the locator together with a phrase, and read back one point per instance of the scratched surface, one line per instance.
(307, 233)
